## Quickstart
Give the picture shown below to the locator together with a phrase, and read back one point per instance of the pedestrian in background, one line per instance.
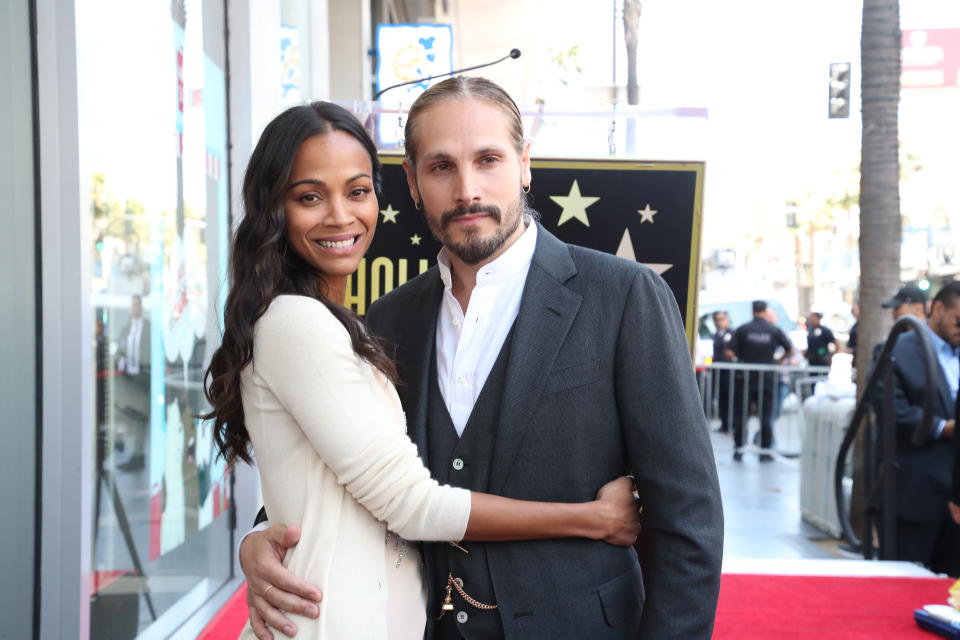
(852, 336)
(924, 532)
(756, 342)
(908, 300)
(820, 339)
(721, 342)
(911, 300)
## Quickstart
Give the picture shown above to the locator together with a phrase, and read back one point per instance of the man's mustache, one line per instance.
(487, 209)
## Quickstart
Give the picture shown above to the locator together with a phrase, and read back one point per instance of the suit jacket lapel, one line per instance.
(945, 400)
(418, 349)
(547, 310)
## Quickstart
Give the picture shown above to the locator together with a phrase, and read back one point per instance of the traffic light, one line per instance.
(839, 90)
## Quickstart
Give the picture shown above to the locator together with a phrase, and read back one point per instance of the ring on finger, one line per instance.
(269, 586)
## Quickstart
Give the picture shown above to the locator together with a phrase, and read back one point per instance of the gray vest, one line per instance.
(464, 461)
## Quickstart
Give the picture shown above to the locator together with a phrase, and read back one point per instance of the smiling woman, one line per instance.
(331, 207)
(311, 181)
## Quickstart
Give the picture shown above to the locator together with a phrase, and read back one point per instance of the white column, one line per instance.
(350, 41)
(320, 49)
(67, 380)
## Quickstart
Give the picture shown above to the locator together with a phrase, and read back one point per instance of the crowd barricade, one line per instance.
(720, 381)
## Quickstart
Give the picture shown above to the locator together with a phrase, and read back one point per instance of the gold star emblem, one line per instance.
(574, 205)
(415, 240)
(646, 214)
(389, 214)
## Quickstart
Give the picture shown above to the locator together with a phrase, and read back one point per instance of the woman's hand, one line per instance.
(619, 512)
(271, 588)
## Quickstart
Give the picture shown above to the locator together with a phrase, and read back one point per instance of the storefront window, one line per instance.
(153, 157)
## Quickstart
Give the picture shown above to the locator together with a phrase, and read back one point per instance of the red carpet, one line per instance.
(230, 620)
(761, 607)
(756, 607)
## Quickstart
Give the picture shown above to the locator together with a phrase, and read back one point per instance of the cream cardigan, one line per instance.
(329, 437)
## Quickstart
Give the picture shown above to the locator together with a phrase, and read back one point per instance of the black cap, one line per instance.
(909, 293)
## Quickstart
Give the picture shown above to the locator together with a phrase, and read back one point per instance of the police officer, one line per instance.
(756, 343)
(721, 343)
(819, 340)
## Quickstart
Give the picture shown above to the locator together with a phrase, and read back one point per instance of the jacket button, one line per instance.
(462, 617)
(457, 464)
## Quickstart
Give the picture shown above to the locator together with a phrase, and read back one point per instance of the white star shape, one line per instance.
(574, 205)
(389, 214)
(625, 251)
(646, 214)
(415, 240)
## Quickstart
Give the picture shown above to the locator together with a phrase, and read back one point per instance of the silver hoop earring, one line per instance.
(417, 204)
(526, 189)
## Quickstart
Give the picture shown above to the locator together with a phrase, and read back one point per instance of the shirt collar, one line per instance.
(939, 344)
(511, 263)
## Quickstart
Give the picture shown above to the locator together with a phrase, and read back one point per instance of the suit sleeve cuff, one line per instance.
(939, 430)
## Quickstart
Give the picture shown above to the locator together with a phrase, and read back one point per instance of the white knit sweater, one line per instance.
(330, 442)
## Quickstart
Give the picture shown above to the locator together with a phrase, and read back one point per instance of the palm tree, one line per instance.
(880, 225)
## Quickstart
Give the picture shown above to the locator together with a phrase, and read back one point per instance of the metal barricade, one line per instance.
(730, 389)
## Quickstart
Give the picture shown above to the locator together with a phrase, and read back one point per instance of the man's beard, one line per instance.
(473, 248)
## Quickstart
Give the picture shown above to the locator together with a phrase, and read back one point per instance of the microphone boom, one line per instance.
(514, 54)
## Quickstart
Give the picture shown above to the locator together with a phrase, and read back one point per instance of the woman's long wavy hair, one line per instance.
(263, 266)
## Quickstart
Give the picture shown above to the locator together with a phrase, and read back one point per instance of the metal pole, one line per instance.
(745, 408)
(761, 379)
(730, 403)
(705, 381)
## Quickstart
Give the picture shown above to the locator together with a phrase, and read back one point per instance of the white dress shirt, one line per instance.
(949, 364)
(468, 343)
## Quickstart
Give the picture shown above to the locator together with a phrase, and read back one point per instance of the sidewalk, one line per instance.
(761, 504)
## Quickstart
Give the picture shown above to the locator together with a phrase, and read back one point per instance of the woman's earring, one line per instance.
(417, 204)
(526, 188)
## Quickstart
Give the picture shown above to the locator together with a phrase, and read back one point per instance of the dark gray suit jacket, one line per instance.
(924, 473)
(599, 384)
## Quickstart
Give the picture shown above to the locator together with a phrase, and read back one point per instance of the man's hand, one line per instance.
(948, 428)
(271, 588)
(621, 512)
(954, 511)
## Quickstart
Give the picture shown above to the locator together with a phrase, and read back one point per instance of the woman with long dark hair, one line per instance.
(300, 379)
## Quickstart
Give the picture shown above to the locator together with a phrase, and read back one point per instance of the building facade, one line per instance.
(124, 132)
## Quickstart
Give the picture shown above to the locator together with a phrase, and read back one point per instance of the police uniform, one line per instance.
(819, 340)
(755, 343)
(721, 342)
